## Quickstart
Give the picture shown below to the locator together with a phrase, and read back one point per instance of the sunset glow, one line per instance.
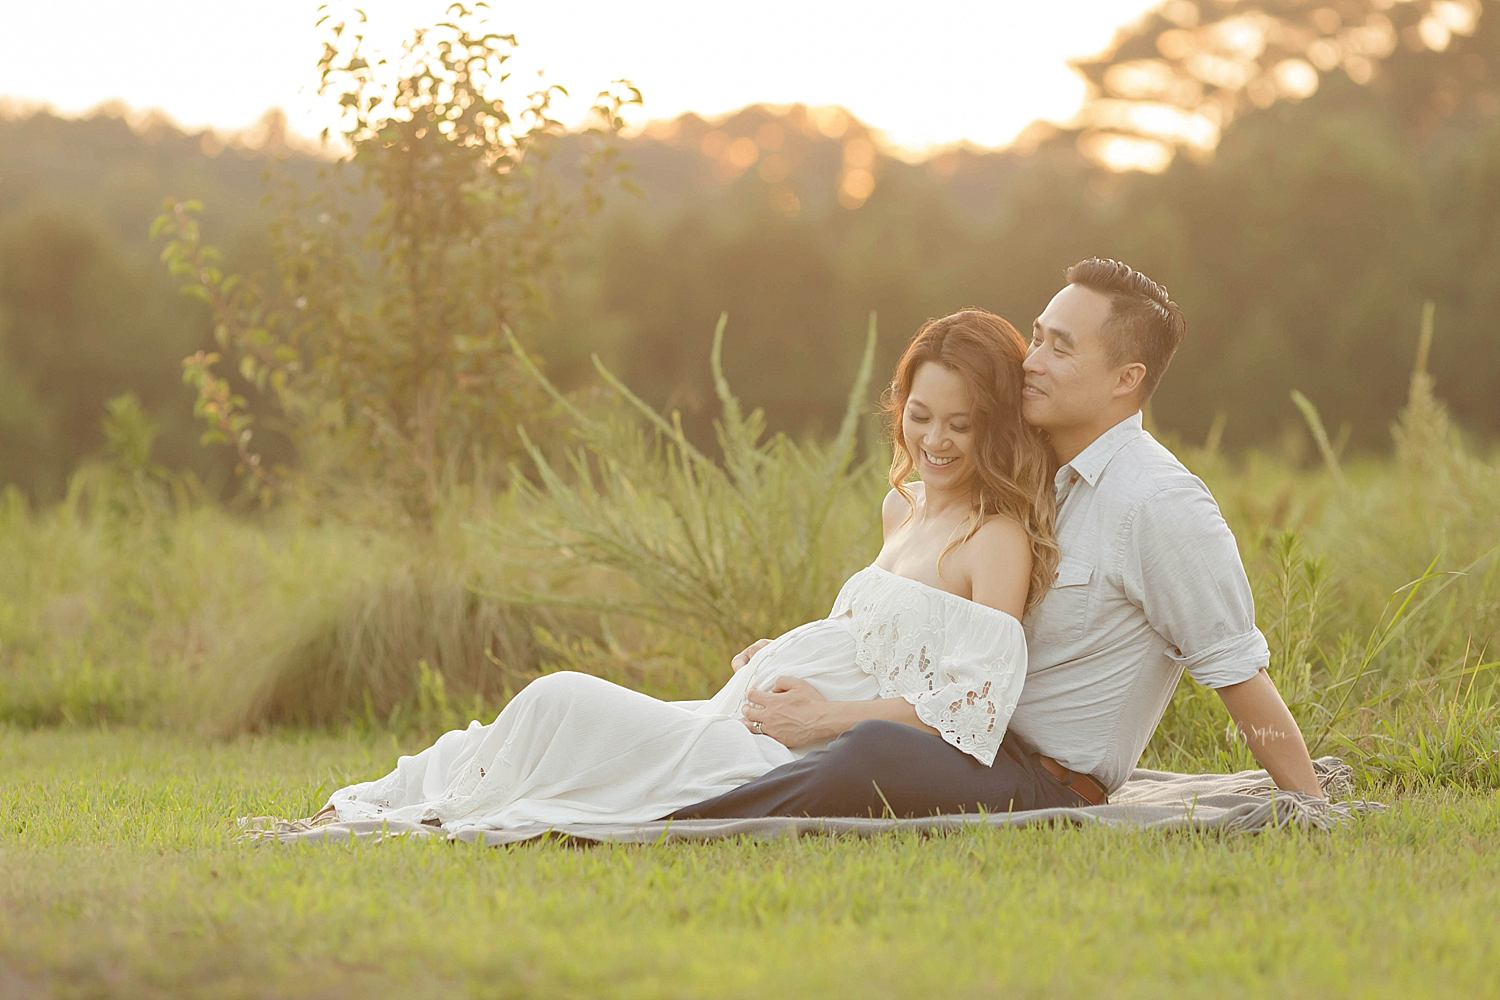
(924, 76)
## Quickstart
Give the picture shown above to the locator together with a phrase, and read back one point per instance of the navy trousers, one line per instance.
(880, 768)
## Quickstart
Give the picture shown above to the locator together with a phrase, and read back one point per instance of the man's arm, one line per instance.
(1183, 568)
(1271, 733)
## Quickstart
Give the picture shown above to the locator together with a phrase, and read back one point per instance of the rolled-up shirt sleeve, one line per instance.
(1182, 567)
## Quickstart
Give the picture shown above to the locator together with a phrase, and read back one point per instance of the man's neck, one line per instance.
(1069, 442)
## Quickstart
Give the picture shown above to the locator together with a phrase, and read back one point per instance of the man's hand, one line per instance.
(792, 713)
(743, 658)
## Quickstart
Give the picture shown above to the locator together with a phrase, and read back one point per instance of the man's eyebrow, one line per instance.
(1069, 341)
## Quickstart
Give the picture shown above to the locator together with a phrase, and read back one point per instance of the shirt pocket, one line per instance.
(1064, 613)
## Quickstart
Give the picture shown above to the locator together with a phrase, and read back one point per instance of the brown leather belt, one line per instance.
(1082, 785)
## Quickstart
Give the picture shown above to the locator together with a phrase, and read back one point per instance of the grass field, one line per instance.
(167, 665)
(122, 878)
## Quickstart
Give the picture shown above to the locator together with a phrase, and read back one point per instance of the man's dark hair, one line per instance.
(1144, 323)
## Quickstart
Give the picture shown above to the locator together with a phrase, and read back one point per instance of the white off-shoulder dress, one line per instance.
(572, 748)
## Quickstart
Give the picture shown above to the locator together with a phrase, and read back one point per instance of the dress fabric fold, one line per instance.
(573, 748)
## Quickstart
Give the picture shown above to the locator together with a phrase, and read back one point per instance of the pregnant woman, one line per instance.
(928, 635)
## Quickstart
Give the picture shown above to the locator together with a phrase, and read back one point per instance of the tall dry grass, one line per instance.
(1377, 582)
(629, 553)
(707, 552)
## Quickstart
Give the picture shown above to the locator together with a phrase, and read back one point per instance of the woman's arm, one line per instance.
(998, 561)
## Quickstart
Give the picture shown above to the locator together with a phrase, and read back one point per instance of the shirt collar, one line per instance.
(1090, 462)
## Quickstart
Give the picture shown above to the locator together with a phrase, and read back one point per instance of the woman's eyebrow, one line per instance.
(913, 401)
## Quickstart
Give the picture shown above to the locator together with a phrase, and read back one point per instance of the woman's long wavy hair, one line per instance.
(1014, 468)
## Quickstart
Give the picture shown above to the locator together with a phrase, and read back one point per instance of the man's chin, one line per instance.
(1034, 412)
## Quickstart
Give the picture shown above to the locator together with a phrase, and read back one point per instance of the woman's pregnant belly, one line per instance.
(820, 652)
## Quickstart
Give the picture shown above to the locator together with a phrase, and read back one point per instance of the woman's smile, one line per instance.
(937, 424)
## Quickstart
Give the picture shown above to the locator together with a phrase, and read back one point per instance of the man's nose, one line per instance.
(1033, 363)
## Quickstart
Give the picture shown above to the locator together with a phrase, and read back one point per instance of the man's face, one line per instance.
(1069, 380)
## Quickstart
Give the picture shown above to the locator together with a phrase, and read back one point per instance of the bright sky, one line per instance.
(925, 74)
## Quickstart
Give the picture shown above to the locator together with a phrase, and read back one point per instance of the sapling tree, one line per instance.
(377, 345)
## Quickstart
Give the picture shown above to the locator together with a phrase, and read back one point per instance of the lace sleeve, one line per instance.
(960, 664)
(983, 681)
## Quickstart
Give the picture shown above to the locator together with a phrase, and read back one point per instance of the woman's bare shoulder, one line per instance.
(895, 508)
(1000, 535)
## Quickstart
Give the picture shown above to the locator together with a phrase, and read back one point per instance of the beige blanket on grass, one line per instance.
(1244, 802)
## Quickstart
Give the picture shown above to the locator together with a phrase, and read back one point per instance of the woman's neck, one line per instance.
(941, 505)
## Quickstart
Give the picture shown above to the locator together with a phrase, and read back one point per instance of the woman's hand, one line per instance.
(792, 713)
(743, 658)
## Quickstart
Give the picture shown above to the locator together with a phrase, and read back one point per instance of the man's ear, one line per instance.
(1130, 378)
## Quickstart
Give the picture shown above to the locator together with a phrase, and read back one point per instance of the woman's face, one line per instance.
(938, 428)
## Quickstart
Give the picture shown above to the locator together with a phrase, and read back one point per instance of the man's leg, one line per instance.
(878, 768)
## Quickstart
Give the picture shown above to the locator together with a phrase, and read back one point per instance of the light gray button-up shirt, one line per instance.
(1150, 583)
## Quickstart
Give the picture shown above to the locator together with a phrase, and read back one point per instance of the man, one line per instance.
(1149, 584)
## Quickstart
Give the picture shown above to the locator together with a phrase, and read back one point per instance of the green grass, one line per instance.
(122, 878)
(177, 630)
